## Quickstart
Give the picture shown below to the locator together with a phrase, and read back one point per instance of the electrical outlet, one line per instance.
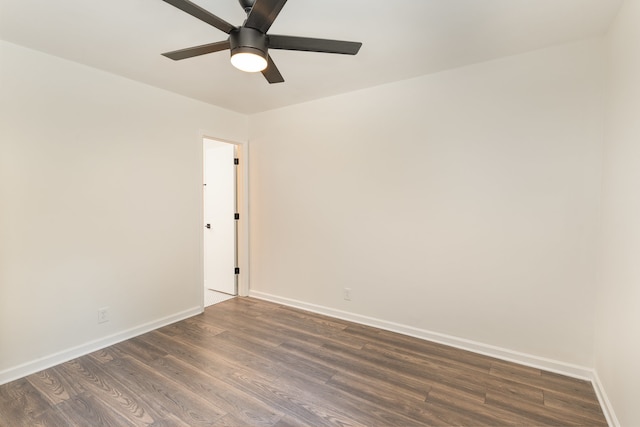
(347, 294)
(103, 314)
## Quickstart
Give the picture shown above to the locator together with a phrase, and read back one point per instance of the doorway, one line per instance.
(220, 228)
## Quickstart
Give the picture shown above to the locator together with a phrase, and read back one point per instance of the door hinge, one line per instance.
(236, 161)
(236, 216)
(237, 270)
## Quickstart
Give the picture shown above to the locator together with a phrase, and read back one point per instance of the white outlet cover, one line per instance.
(103, 314)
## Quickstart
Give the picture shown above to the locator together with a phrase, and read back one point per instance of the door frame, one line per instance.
(242, 195)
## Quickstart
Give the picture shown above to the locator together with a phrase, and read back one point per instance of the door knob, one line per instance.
(208, 225)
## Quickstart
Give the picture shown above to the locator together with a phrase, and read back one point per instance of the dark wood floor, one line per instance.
(246, 362)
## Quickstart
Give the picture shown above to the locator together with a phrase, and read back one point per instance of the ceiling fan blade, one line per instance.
(313, 45)
(271, 73)
(263, 13)
(202, 14)
(190, 52)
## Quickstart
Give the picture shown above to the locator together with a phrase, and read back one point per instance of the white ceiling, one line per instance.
(401, 39)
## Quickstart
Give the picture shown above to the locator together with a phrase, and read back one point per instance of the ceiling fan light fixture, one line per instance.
(248, 49)
(249, 60)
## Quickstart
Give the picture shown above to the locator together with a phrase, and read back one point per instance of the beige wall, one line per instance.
(464, 203)
(100, 193)
(618, 320)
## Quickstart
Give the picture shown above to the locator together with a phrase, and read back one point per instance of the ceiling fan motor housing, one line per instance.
(248, 40)
(247, 5)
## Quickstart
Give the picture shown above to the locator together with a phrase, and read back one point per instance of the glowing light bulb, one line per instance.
(249, 62)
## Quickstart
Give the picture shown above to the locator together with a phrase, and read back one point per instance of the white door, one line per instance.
(219, 217)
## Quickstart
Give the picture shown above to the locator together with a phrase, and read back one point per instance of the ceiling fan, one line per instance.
(249, 44)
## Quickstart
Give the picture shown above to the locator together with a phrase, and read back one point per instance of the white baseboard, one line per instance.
(605, 404)
(462, 343)
(38, 365)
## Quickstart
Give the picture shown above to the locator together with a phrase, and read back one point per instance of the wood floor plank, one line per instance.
(544, 381)
(318, 333)
(285, 362)
(341, 363)
(86, 409)
(52, 417)
(113, 394)
(54, 386)
(461, 412)
(238, 350)
(364, 412)
(105, 355)
(419, 355)
(254, 363)
(241, 406)
(408, 404)
(427, 348)
(382, 389)
(288, 402)
(229, 354)
(19, 400)
(139, 350)
(426, 373)
(521, 391)
(452, 416)
(192, 329)
(302, 383)
(587, 407)
(185, 405)
(546, 416)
